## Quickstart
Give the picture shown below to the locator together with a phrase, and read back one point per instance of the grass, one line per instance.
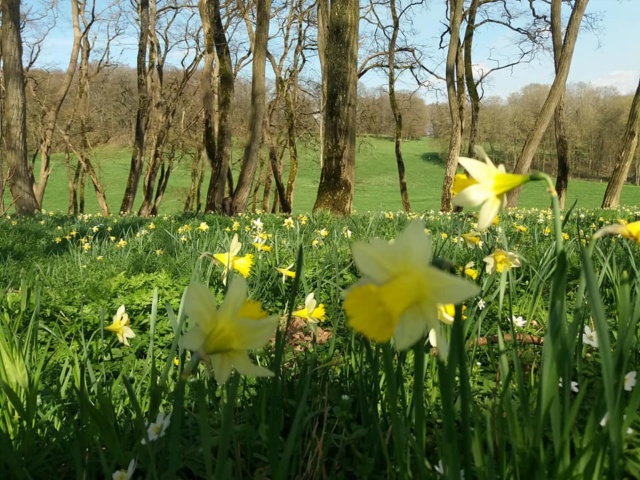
(75, 403)
(376, 187)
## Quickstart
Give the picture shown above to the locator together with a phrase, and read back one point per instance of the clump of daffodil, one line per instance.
(221, 336)
(501, 261)
(120, 326)
(312, 312)
(398, 296)
(487, 186)
(626, 230)
(231, 260)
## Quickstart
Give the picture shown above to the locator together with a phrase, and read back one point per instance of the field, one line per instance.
(107, 324)
(376, 180)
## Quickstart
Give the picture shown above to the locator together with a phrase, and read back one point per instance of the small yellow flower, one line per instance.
(625, 230)
(399, 294)
(323, 233)
(99, 258)
(447, 313)
(95, 229)
(152, 226)
(86, 247)
(262, 247)
(546, 231)
(235, 226)
(159, 251)
(520, 228)
(58, 240)
(303, 219)
(312, 312)
(121, 244)
(315, 243)
(184, 239)
(444, 235)
(388, 215)
(565, 236)
(501, 261)
(222, 336)
(231, 259)
(286, 272)
(469, 271)
(288, 223)
(490, 189)
(203, 227)
(120, 326)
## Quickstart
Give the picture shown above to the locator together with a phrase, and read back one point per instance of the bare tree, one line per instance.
(625, 155)
(258, 106)
(553, 97)
(14, 124)
(335, 190)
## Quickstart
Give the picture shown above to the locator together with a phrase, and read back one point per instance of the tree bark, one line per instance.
(142, 113)
(258, 108)
(549, 106)
(335, 191)
(215, 192)
(14, 118)
(472, 88)
(395, 109)
(452, 75)
(625, 156)
(562, 142)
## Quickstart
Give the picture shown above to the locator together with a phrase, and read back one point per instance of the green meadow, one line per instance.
(382, 345)
(376, 187)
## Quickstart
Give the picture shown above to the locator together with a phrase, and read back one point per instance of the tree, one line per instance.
(14, 114)
(335, 190)
(258, 107)
(556, 91)
(455, 96)
(625, 155)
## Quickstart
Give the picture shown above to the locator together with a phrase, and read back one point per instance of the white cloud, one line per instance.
(626, 81)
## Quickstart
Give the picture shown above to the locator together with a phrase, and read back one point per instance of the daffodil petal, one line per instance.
(234, 299)
(376, 259)
(200, 306)
(446, 288)
(414, 245)
(368, 314)
(411, 328)
(488, 212)
(481, 171)
(248, 334)
(473, 195)
(242, 363)
(222, 365)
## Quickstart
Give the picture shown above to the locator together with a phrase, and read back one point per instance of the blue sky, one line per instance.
(610, 57)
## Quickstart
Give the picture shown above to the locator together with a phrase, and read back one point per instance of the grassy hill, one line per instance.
(376, 180)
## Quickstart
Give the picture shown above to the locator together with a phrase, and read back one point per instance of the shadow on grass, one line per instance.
(435, 158)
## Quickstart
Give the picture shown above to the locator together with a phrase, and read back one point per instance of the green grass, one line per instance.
(376, 187)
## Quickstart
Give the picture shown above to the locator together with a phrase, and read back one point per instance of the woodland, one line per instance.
(268, 78)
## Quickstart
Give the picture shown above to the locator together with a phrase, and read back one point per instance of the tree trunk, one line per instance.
(455, 140)
(14, 118)
(556, 91)
(51, 115)
(395, 109)
(625, 156)
(220, 170)
(258, 108)
(562, 142)
(472, 89)
(142, 114)
(335, 191)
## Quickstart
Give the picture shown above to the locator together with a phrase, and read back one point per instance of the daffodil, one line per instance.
(286, 272)
(501, 261)
(231, 259)
(120, 326)
(472, 239)
(489, 190)
(626, 230)
(203, 227)
(399, 295)
(311, 311)
(158, 428)
(222, 336)
(125, 474)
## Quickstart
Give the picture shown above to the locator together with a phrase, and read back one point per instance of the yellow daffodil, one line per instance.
(262, 247)
(472, 239)
(121, 244)
(460, 182)
(501, 261)
(469, 271)
(626, 230)
(231, 259)
(446, 313)
(400, 292)
(120, 326)
(203, 227)
(286, 272)
(222, 336)
(520, 228)
(288, 223)
(492, 184)
(312, 311)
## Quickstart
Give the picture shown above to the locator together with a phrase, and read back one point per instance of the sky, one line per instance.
(608, 57)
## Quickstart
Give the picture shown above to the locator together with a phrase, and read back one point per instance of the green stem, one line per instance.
(228, 409)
